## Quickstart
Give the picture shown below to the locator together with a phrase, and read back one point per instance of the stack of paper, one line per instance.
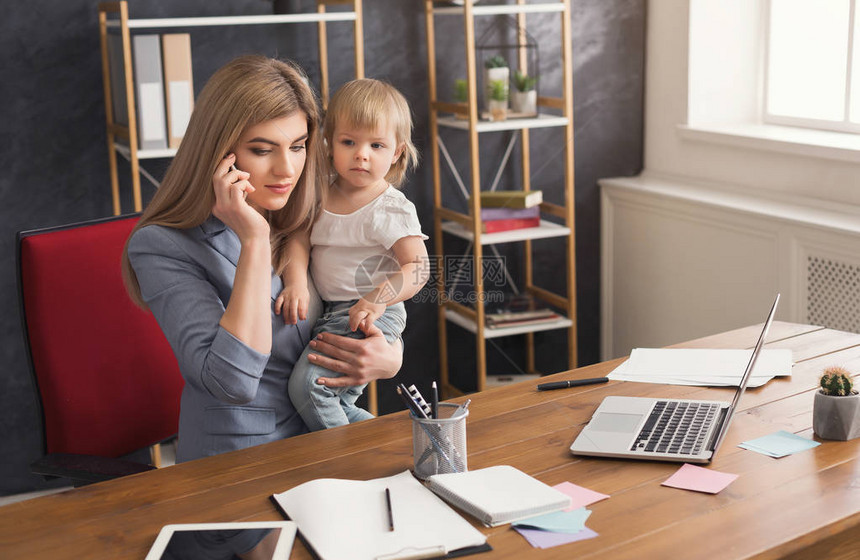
(701, 366)
(561, 527)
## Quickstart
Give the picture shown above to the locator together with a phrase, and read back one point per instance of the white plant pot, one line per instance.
(498, 110)
(502, 74)
(524, 102)
(836, 417)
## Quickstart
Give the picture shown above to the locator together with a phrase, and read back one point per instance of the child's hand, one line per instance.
(293, 302)
(364, 313)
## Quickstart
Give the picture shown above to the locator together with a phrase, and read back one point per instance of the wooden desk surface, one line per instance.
(801, 506)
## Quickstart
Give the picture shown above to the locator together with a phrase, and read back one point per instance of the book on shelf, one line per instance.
(536, 319)
(517, 310)
(178, 83)
(496, 226)
(511, 199)
(498, 495)
(149, 90)
(392, 517)
(488, 214)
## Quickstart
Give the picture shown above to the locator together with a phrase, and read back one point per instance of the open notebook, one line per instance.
(349, 520)
(498, 495)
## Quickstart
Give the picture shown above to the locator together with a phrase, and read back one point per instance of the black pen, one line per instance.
(388, 507)
(434, 401)
(571, 383)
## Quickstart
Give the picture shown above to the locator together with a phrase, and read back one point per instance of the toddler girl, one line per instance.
(366, 249)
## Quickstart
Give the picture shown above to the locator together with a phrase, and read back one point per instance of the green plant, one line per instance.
(836, 382)
(461, 90)
(498, 90)
(497, 61)
(524, 82)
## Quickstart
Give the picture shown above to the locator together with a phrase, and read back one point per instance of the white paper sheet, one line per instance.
(701, 366)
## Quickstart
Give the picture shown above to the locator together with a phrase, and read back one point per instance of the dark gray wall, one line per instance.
(55, 167)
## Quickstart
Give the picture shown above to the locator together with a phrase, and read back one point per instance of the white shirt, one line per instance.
(351, 253)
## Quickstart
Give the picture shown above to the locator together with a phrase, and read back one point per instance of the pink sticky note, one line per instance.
(691, 477)
(579, 496)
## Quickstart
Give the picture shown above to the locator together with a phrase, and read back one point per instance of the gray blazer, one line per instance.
(234, 396)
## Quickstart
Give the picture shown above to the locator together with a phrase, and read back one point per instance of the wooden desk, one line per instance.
(805, 505)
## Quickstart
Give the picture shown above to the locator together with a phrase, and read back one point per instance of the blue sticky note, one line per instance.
(557, 522)
(779, 444)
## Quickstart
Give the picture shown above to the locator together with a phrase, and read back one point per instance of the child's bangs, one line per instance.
(365, 114)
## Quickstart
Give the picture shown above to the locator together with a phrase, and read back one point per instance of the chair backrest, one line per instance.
(107, 379)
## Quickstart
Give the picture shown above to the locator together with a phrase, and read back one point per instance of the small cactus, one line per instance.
(836, 382)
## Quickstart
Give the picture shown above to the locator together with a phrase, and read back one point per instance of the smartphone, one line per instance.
(234, 168)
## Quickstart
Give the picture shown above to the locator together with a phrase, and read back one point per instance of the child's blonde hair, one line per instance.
(367, 103)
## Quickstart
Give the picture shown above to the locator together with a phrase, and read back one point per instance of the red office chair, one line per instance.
(107, 381)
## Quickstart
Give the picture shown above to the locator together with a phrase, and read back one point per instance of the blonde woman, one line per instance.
(207, 254)
(366, 249)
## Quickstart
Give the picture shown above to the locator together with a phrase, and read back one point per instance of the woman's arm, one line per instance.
(247, 316)
(185, 293)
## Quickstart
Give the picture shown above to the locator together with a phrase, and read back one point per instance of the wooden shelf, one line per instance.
(541, 121)
(144, 154)
(501, 9)
(545, 230)
(471, 326)
(457, 224)
(234, 20)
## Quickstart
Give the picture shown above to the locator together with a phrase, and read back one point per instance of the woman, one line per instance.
(206, 255)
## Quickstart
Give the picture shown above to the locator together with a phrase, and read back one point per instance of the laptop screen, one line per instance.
(747, 374)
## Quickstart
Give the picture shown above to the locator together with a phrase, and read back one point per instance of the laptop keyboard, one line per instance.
(676, 427)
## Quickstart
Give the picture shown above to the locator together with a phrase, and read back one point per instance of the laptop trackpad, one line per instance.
(615, 422)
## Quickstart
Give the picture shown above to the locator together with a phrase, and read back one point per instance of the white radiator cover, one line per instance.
(682, 259)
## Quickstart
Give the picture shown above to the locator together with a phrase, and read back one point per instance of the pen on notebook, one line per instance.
(388, 509)
(571, 383)
(434, 401)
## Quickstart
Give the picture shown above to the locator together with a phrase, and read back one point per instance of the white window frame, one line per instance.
(836, 126)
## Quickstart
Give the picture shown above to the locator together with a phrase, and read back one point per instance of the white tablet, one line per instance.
(272, 540)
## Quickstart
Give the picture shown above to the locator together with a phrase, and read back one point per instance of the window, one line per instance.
(812, 64)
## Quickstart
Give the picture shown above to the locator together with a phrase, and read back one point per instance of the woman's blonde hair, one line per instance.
(366, 104)
(245, 92)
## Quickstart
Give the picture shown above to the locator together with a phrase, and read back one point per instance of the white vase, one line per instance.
(524, 102)
(836, 417)
(502, 74)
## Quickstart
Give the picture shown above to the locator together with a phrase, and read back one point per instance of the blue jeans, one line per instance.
(324, 407)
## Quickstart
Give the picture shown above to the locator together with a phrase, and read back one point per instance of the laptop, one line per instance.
(663, 429)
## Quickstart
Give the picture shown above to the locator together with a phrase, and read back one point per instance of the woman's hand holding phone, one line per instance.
(231, 188)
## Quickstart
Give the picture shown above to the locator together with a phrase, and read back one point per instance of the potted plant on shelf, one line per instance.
(495, 70)
(836, 409)
(461, 94)
(524, 98)
(498, 104)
